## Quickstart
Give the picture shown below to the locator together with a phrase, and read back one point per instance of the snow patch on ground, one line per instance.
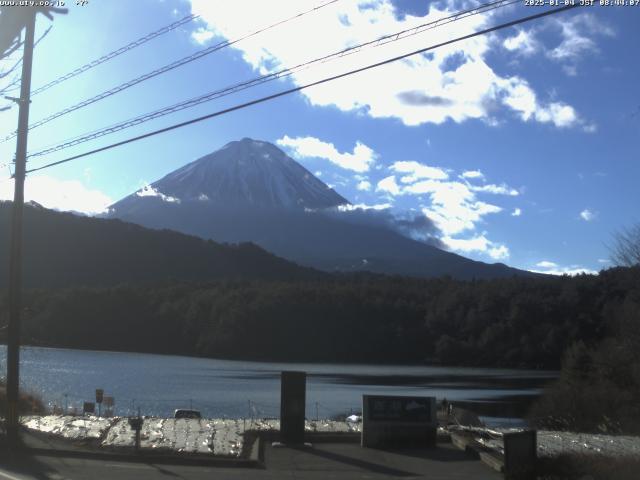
(225, 437)
(70, 427)
(222, 437)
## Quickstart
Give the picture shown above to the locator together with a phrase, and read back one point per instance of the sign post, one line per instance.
(136, 425)
(109, 402)
(398, 421)
(99, 398)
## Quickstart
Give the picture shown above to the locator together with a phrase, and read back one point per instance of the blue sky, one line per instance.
(522, 145)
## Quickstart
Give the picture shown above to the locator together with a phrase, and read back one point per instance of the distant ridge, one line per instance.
(63, 249)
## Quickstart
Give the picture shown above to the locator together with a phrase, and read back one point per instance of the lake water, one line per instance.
(158, 384)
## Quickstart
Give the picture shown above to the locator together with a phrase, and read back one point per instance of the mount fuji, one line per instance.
(246, 174)
(250, 190)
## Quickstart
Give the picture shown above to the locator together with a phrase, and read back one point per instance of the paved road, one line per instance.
(53, 468)
(350, 461)
(322, 461)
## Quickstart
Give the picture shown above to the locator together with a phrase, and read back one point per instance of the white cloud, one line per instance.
(577, 38)
(363, 206)
(523, 100)
(202, 35)
(551, 268)
(523, 43)
(360, 160)
(65, 195)
(451, 83)
(561, 115)
(389, 185)
(418, 171)
(453, 214)
(496, 189)
(499, 252)
(149, 191)
(577, 35)
(364, 185)
(453, 205)
(546, 264)
(472, 174)
(587, 215)
(516, 212)
(478, 243)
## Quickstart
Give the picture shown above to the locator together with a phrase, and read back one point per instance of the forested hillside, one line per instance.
(62, 249)
(357, 318)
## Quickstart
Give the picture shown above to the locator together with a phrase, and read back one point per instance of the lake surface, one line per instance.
(158, 384)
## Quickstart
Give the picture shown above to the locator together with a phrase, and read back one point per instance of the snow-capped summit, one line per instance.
(245, 173)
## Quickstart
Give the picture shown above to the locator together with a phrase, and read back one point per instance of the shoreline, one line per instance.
(520, 368)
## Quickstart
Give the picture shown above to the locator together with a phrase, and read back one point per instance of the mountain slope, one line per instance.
(62, 249)
(247, 173)
(316, 240)
(252, 191)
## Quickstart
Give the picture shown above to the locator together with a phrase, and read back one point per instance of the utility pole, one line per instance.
(15, 257)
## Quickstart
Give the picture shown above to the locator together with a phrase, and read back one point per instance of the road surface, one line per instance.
(322, 461)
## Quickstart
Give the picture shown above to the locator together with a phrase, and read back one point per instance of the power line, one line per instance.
(77, 140)
(35, 44)
(269, 77)
(10, 34)
(178, 63)
(5, 56)
(11, 86)
(115, 53)
(7, 72)
(302, 87)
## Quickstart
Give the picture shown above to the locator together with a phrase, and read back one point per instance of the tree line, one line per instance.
(516, 322)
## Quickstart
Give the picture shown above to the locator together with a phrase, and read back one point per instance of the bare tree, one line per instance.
(625, 250)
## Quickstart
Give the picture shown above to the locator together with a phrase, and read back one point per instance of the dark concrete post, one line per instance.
(15, 256)
(136, 425)
(520, 455)
(293, 388)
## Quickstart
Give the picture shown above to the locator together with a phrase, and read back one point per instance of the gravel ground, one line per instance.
(555, 443)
